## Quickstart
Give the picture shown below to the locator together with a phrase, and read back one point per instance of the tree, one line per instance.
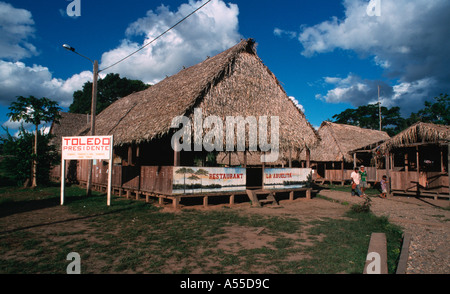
(35, 111)
(367, 116)
(109, 89)
(437, 112)
(17, 153)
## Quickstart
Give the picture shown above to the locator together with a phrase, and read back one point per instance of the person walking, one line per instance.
(356, 179)
(363, 183)
(383, 184)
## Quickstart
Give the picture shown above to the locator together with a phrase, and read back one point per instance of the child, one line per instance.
(356, 178)
(383, 187)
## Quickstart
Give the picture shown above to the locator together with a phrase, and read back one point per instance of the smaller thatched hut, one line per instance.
(333, 158)
(418, 160)
(69, 125)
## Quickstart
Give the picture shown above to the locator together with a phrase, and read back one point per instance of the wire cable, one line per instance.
(169, 29)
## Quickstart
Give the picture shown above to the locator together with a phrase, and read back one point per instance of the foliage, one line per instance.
(35, 111)
(109, 89)
(364, 207)
(18, 157)
(367, 116)
(437, 112)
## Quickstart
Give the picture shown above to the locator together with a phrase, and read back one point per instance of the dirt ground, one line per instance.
(424, 219)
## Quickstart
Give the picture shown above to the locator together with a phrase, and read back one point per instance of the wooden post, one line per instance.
(354, 161)
(308, 158)
(63, 179)
(388, 167)
(406, 162)
(175, 202)
(130, 155)
(342, 171)
(291, 196)
(308, 193)
(205, 201)
(448, 167)
(290, 157)
(418, 170)
(245, 158)
(232, 200)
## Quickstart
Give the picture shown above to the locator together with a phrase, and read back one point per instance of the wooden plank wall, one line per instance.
(137, 178)
(431, 182)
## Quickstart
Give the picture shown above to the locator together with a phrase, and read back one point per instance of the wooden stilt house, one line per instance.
(333, 160)
(234, 83)
(418, 160)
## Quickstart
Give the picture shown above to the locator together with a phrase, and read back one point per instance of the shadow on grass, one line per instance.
(12, 207)
(15, 207)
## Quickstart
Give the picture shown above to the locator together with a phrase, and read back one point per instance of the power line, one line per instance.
(186, 17)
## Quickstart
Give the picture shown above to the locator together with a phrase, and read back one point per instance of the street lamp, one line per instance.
(93, 109)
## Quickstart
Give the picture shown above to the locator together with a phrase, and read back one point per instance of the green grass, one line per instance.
(135, 237)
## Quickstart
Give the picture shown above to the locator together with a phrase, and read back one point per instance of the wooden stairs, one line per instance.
(256, 202)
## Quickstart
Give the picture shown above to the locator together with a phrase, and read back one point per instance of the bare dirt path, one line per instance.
(425, 219)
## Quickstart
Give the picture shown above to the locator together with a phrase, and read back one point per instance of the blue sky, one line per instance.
(328, 55)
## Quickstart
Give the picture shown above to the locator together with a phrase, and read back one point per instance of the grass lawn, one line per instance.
(135, 237)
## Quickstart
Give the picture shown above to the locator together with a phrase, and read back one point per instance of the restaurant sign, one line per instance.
(195, 180)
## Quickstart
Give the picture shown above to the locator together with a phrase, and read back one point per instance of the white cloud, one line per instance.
(16, 27)
(211, 30)
(355, 90)
(18, 79)
(297, 104)
(409, 41)
(280, 33)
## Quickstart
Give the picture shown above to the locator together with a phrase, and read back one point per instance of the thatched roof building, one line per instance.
(69, 124)
(232, 83)
(338, 140)
(419, 133)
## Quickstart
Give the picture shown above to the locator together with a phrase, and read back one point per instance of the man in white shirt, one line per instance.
(356, 180)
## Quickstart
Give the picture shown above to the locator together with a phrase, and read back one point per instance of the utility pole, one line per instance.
(379, 105)
(93, 112)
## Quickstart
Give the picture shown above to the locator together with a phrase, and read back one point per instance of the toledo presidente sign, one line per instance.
(78, 148)
(86, 147)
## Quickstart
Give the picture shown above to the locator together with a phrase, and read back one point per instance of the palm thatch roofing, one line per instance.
(69, 125)
(232, 83)
(338, 140)
(419, 133)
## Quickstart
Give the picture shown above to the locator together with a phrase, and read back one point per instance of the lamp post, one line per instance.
(93, 110)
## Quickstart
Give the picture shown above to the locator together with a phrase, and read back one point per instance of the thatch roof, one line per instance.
(232, 83)
(338, 140)
(419, 133)
(69, 125)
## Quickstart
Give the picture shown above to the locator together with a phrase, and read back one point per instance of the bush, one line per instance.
(364, 207)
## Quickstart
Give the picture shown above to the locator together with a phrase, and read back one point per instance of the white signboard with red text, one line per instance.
(86, 148)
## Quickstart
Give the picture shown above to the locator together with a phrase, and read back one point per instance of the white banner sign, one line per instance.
(86, 147)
